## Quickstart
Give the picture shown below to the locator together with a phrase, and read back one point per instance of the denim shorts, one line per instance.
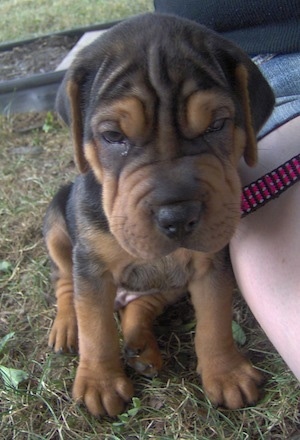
(283, 74)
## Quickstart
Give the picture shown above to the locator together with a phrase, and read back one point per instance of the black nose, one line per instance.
(179, 219)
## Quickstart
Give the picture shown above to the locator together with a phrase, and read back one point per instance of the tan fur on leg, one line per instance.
(63, 335)
(228, 378)
(100, 380)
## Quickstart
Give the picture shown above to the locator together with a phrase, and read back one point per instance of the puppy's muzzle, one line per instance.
(178, 220)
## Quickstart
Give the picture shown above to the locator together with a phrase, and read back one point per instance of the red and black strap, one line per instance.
(270, 186)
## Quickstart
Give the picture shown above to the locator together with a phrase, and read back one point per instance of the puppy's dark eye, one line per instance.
(216, 126)
(114, 137)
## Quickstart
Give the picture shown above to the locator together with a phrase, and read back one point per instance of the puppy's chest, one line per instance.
(163, 274)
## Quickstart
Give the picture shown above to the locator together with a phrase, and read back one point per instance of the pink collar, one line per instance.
(270, 186)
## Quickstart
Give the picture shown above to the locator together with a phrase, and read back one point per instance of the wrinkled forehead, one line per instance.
(162, 65)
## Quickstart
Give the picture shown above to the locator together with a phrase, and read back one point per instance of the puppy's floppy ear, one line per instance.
(253, 92)
(257, 101)
(70, 107)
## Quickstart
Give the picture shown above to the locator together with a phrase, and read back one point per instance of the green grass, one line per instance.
(171, 406)
(22, 19)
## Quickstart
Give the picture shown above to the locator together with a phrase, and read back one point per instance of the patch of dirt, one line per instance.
(40, 56)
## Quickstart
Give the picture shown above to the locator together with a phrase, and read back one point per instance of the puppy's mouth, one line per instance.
(156, 230)
(167, 228)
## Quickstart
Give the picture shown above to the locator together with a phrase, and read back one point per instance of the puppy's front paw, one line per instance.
(104, 391)
(64, 335)
(231, 382)
(142, 353)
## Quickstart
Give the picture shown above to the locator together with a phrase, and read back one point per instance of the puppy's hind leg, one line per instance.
(140, 345)
(63, 335)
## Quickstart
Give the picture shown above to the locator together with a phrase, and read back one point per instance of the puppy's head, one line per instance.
(161, 109)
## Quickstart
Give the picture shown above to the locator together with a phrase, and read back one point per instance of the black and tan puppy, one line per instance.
(161, 110)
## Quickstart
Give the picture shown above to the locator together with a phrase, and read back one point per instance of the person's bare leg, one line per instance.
(265, 250)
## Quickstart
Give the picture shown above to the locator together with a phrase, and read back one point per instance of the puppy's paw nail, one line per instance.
(132, 353)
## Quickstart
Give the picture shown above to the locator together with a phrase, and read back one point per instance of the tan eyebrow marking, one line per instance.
(201, 108)
(131, 115)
